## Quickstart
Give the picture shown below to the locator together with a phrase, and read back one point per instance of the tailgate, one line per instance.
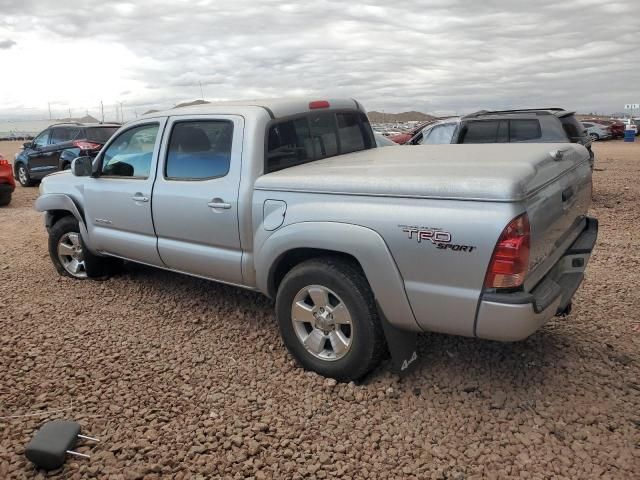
(557, 209)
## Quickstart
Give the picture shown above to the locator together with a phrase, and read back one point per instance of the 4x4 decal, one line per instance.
(438, 237)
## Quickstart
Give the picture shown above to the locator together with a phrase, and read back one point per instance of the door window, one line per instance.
(60, 135)
(41, 140)
(439, 134)
(524, 130)
(199, 150)
(131, 152)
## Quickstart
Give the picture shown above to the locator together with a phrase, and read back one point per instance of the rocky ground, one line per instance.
(181, 378)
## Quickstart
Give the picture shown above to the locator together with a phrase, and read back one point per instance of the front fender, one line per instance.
(364, 244)
(60, 202)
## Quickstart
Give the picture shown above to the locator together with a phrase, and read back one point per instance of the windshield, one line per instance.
(100, 134)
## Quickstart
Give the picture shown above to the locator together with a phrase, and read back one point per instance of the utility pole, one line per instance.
(102, 110)
(49, 104)
(69, 113)
(121, 113)
(201, 91)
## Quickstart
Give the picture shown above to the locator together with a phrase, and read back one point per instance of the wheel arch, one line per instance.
(298, 242)
(58, 205)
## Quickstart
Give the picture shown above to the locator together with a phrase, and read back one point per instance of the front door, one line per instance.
(118, 202)
(195, 197)
(38, 154)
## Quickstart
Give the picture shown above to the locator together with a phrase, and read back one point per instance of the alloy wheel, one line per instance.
(322, 322)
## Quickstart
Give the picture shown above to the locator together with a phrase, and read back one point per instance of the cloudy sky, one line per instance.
(439, 56)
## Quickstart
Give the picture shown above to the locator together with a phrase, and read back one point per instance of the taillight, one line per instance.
(86, 145)
(510, 259)
(318, 104)
(3, 162)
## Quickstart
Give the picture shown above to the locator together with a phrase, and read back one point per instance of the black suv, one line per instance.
(54, 148)
(543, 125)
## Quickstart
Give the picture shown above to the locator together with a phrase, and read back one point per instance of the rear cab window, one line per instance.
(314, 136)
(485, 131)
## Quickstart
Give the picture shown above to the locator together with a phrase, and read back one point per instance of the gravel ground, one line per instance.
(181, 378)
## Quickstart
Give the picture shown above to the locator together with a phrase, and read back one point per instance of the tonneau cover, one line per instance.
(485, 172)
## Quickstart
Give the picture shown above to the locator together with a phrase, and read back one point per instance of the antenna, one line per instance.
(102, 110)
(121, 113)
(49, 104)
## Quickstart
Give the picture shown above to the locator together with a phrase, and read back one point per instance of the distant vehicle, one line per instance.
(7, 184)
(54, 148)
(382, 141)
(436, 133)
(543, 125)
(617, 127)
(597, 131)
(404, 137)
(631, 124)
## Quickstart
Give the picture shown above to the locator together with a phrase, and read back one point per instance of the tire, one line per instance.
(5, 199)
(23, 175)
(64, 237)
(342, 288)
(594, 136)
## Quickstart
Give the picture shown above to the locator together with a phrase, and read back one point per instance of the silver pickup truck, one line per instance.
(360, 247)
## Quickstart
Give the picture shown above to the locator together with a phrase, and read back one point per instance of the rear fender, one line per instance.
(60, 202)
(362, 243)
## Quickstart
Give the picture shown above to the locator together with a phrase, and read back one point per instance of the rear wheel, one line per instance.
(328, 319)
(23, 176)
(594, 136)
(69, 255)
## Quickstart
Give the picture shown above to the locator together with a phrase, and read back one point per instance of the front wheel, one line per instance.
(69, 255)
(23, 176)
(5, 199)
(328, 319)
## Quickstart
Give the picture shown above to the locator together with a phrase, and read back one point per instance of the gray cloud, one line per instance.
(6, 44)
(439, 55)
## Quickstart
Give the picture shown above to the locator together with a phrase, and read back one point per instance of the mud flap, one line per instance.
(402, 346)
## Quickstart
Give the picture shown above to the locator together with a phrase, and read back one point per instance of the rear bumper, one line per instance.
(515, 316)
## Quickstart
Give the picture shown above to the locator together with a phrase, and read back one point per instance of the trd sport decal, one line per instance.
(440, 238)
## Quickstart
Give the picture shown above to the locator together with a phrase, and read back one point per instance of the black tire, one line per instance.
(22, 172)
(94, 266)
(5, 199)
(347, 280)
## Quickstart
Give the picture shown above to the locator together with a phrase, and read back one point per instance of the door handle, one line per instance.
(567, 193)
(219, 203)
(138, 197)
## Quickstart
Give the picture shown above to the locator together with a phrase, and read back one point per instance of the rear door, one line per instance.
(118, 201)
(195, 197)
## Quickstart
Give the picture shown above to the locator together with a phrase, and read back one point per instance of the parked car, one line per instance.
(404, 137)
(382, 141)
(54, 148)
(438, 132)
(543, 125)
(631, 124)
(617, 127)
(361, 247)
(7, 184)
(597, 131)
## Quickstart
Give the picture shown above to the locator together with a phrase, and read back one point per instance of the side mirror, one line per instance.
(27, 144)
(82, 166)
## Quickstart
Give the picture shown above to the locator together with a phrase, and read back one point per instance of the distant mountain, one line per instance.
(85, 119)
(188, 104)
(379, 117)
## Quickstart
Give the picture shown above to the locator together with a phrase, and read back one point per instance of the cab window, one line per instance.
(131, 153)
(199, 150)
